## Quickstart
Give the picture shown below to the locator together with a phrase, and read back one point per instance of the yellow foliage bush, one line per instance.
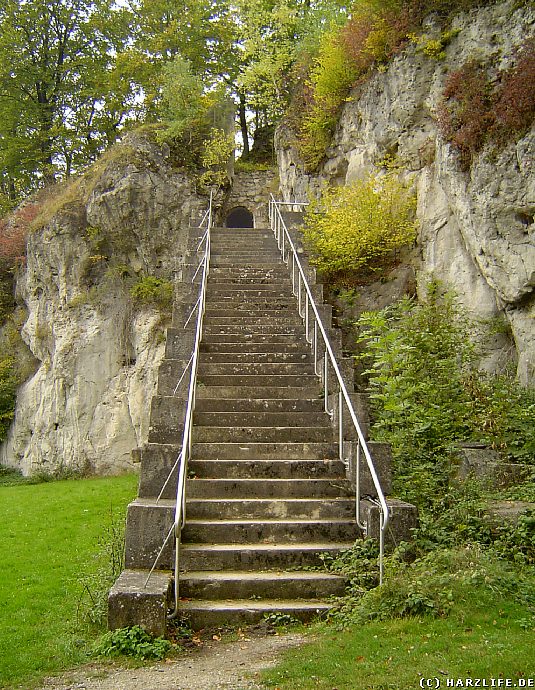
(356, 225)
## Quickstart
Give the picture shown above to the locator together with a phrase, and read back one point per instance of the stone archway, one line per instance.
(239, 217)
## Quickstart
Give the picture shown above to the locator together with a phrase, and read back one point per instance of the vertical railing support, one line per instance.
(343, 400)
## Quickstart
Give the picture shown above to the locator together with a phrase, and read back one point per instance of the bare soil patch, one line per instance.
(213, 665)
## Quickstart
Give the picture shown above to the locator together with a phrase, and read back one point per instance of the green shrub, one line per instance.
(133, 642)
(218, 149)
(152, 290)
(435, 47)
(345, 54)
(103, 570)
(428, 396)
(357, 225)
(433, 584)
(477, 109)
(194, 119)
(8, 394)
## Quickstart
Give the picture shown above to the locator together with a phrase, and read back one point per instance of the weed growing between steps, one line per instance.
(50, 535)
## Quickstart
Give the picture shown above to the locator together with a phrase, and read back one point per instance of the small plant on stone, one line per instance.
(134, 642)
(278, 619)
(152, 290)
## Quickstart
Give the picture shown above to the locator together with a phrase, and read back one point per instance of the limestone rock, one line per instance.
(476, 227)
(87, 406)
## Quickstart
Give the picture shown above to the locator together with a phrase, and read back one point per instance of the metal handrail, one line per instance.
(180, 508)
(287, 248)
(184, 455)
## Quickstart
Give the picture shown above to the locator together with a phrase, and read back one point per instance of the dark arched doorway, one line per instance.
(239, 217)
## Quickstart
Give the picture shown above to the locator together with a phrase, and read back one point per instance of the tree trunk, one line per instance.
(243, 126)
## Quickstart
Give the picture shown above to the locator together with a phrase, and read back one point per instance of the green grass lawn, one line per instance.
(48, 540)
(486, 635)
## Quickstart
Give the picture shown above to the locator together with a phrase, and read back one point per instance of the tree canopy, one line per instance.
(75, 73)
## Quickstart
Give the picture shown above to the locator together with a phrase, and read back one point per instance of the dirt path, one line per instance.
(215, 665)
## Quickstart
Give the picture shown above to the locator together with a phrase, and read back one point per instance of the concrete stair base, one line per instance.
(266, 492)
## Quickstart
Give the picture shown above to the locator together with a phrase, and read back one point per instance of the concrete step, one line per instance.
(270, 508)
(243, 254)
(261, 434)
(252, 405)
(295, 330)
(255, 368)
(256, 357)
(277, 271)
(244, 242)
(260, 306)
(147, 524)
(244, 311)
(258, 468)
(268, 531)
(239, 584)
(264, 420)
(239, 274)
(259, 262)
(247, 346)
(252, 557)
(283, 449)
(268, 488)
(258, 380)
(216, 291)
(250, 322)
(253, 306)
(134, 601)
(240, 392)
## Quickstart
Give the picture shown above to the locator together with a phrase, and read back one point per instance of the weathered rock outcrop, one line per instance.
(88, 404)
(476, 227)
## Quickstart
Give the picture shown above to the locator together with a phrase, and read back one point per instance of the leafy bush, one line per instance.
(358, 564)
(515, 101)
(428, 396)
(152, 290)
(133, 642)
(465, 116)
(344, 57)
(375, 31)
(475, 111)
(435, 47)
(217, 151)
(193, 122)
(8, 394)
(357, 225)
(14, 229)
(433, 584)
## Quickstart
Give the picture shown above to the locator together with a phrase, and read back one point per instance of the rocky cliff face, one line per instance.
(476, 227)
(88, 404)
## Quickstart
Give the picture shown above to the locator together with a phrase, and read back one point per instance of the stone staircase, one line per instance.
(266, 492)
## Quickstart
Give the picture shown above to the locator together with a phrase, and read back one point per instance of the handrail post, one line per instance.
(340, 426)
(279, 228)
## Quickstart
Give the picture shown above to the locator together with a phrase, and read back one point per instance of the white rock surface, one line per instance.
(87, 407)
(476, 228)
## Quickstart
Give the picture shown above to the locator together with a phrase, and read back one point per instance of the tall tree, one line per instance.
(59, 103)
(273, 35)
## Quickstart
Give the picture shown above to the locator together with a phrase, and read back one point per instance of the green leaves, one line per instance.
(133, 642)
(8, 392)
(356, 225)
(427, 394)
